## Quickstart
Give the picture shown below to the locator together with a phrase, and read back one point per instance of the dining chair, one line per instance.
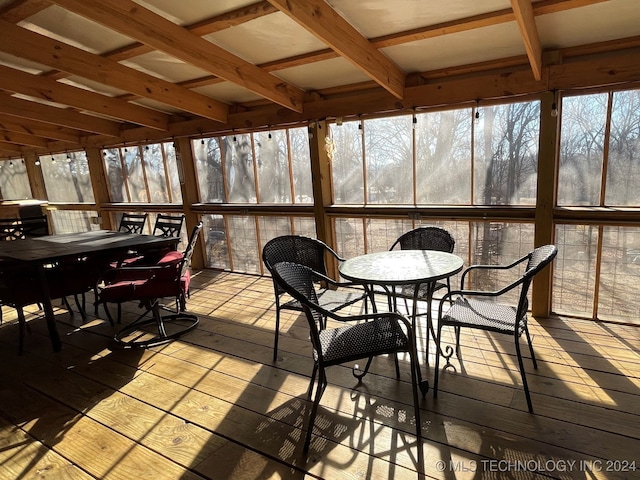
(424, 238)
(148, 285)
(133, 222)
(334, 295)
(359, 337)
(19, 287)
(168, 225)
(490, 311)
(21, 228)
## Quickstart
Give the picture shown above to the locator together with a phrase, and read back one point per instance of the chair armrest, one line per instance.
(133, 273)
(323, 278)
(490, 267)
(370, 316)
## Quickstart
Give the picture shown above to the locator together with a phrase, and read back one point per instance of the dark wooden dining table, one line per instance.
(36, 253)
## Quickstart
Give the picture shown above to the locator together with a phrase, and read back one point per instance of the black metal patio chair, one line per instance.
(360, 337)
(483, 310)
(333, 295)
(424, 238)
(133, 222)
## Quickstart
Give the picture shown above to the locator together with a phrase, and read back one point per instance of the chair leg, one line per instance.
(523, 375)
(81, 304)
(322, 383)
(277, 334)
(416, 383)
(312, 381)
(67, 305)
(22, 322)
(533, 355)
(108, 313)
(436, 373)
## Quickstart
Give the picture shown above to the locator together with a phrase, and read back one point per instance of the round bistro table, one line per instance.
(394, 268)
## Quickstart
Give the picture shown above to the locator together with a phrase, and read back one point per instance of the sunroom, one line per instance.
(510, 124)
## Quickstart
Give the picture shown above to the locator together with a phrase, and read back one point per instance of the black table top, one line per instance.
(399, 267)
(57, 247)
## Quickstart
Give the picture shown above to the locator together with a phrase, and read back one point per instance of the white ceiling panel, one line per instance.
(374, 18)
(165, 66)
(22, 64)
(325, 74)
(92, 86)
(267, 38)
(185, 12)
(591, 24)
(228, 92)
(473, 46)
(75, 30)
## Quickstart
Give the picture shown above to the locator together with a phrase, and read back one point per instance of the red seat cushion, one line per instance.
(141, 283)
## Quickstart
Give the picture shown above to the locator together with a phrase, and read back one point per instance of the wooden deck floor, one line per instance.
(213, 405)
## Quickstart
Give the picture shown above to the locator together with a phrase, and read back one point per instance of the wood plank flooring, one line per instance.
(213, 405)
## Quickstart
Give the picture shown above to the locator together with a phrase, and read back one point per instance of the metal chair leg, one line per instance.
(524, 376)
(322, 383)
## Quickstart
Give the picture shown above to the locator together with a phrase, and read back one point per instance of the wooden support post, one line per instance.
(322, 194)
(100, 186)
(190, 195)
(544, 225)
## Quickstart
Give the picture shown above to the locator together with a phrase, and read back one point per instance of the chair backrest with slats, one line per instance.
(133, 222)
(168, 225)
(11, 229)
(21, 228)
(188, 252)
(426, 238)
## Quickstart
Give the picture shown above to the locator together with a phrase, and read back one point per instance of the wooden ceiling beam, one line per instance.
(18, 107)
(61, 56)
(324, 22)
(10, 147)
(201, 28)
(19, 10)
(22, 139)
(39, 129)
(44, 88)
(529, 31)
(131, 19)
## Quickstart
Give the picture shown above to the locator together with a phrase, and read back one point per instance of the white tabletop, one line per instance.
(397, 267)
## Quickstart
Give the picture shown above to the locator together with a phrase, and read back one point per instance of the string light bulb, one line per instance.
(554, 109)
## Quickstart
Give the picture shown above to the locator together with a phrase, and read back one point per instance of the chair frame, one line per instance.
(317, 319)
(21, 228)
(311, 253)
(439, 239)
(133, 222)
(168, 225)
(153, 304)
(536, 261)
